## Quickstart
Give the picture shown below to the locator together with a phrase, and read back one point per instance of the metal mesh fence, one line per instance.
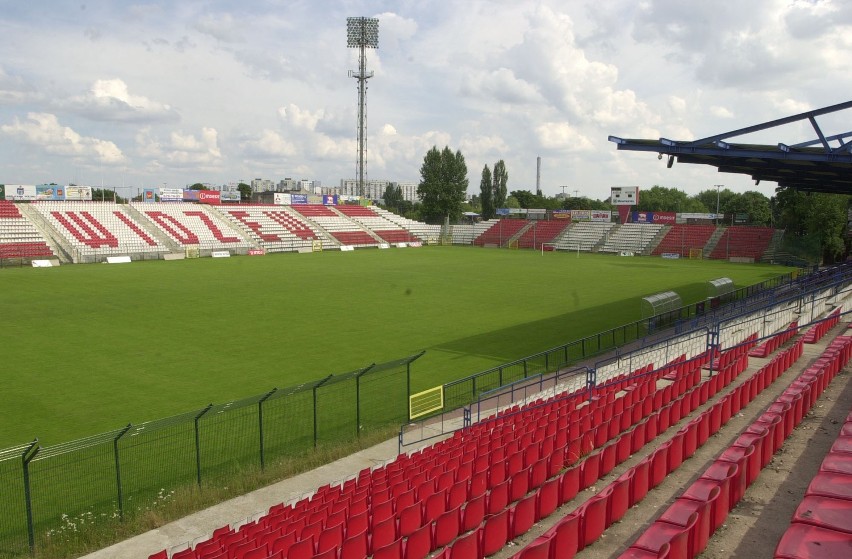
(73, 484)
(136, 467)
(155, 458)
(14, 538)
(288, 422)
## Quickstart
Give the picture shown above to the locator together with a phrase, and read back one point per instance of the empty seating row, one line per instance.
(541, 232)
(685, 528)
(191, 225)
(387, 492)
(19, 238)
(500, 232)
(422, 231)
(681, 238)
(343, 229)
(465, 234)
(776, 341)
(584, 235)
(633, 237)
(821, 526)
(103, 227)
(585, 525)
(743, 242)
(818, 330)
(273, 228)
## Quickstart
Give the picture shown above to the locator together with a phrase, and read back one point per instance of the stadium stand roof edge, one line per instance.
(823, 164)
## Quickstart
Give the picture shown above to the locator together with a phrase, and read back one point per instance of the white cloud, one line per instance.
(43, 131)
(13, 89)
(182, 149)
(721, 112)
(111, 100)
(221, 26)
(269, 144)
(562, 136)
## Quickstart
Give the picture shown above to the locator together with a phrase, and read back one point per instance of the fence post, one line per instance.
(118, 470)
(198, 444)
(260, 424)
(358, 399)
(317, 385)
(26, 458)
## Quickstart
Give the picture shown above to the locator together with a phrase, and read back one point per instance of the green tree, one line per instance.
(198, 186)
(662, 199)
(107, 195)
(486, 194)
(392, 197)
(754, 204)
(500, 178)
(443, 184)
(526, 199)
(245, 191)
(708, 199)
(512, 202)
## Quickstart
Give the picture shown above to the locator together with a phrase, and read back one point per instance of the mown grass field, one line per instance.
(89, 348)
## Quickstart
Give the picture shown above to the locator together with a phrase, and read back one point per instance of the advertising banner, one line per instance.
(329, 200)
(209, 197)
(149, 195)
(602, 215)
(642, 217)
(20, 192)
(665, 218)
(230, 196)
(502, 211)
(299, 198)
(562, 214)
(581, 215)
(78, 192)
(50, 192)
(189, 195)
(282, 199)
(171, 195)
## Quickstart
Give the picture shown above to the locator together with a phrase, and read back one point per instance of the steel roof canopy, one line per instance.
(823, 164)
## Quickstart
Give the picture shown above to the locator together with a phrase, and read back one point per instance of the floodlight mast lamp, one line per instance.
(362, 33)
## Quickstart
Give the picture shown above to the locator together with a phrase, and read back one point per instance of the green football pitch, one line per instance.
(90, 348)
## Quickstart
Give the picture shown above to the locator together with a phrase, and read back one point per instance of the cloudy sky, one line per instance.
(152, 93)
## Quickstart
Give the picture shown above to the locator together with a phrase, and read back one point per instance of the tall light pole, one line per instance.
(718, 186)
(362, 33)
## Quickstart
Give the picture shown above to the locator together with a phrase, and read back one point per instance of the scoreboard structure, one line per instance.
(624, 195)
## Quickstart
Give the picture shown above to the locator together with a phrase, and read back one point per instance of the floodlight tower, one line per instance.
(362, 33)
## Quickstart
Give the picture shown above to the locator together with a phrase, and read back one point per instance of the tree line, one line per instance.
(808, 218)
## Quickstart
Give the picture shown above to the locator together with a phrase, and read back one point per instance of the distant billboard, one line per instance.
(209, 197)
(149, 195)
(624, 195)
(581, 215)
(601, 215)
(171, 194)
(299, 198)
(282, 199)
(78, 192)
(329, 200)
(20, 192)
(562, 214)
(230, 196)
